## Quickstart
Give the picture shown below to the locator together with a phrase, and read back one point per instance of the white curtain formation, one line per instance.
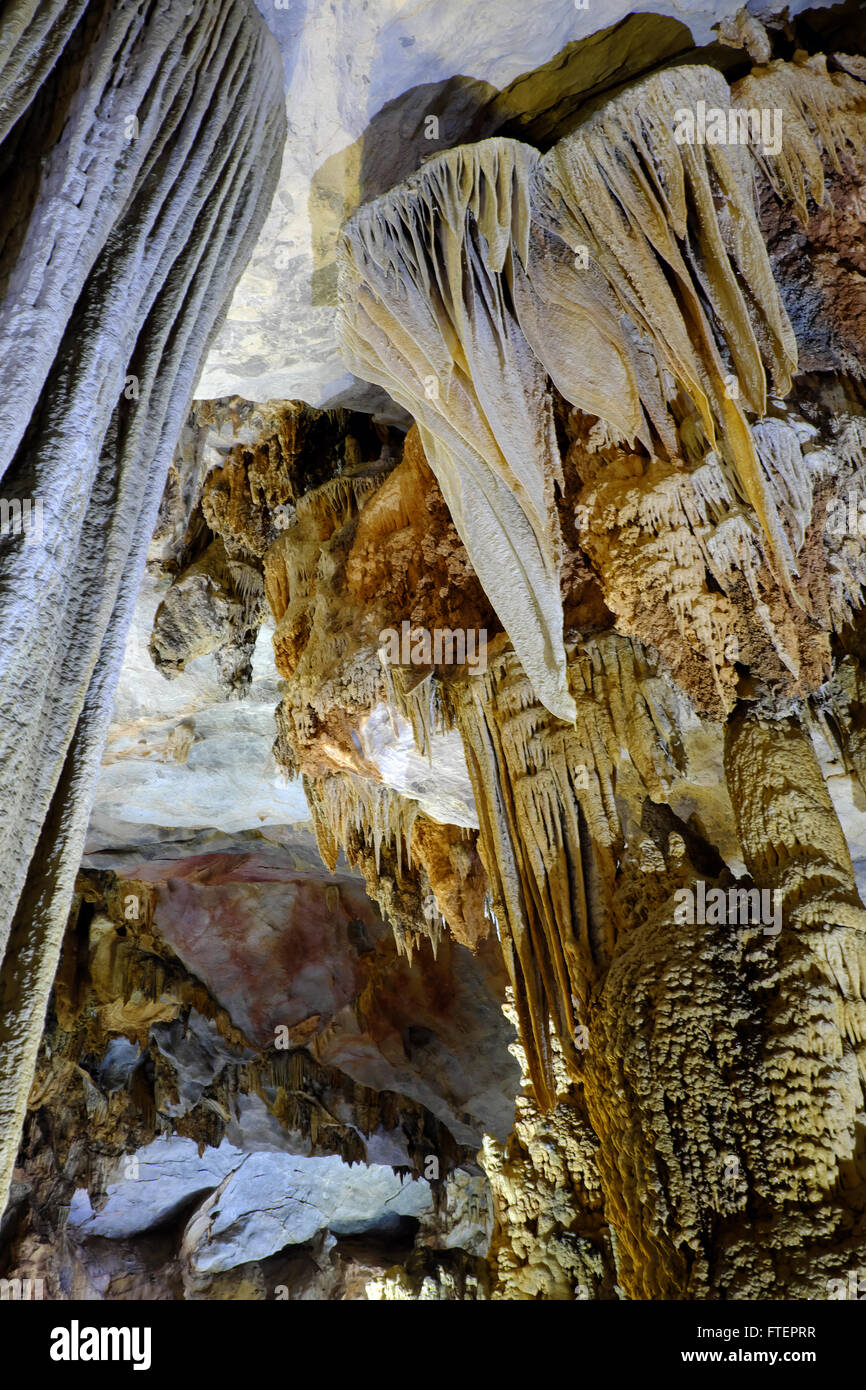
(624, 266)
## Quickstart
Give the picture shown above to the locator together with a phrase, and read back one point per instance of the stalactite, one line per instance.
(824, 119)
(682, 569)
(644, 209)
(425, 313)
(347, 808)
(376, 828)
(646, 251)
(550, 828)
(420, 702)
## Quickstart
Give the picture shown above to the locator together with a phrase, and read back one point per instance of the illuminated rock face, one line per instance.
(625, 810)
(144, 154)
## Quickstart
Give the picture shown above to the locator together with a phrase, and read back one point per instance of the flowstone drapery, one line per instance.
(141, 147)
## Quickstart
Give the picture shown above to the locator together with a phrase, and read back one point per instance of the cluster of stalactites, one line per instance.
(419, 702)
(373, 824)
(672, 228)
(823, 119)
(335, 501)
(426, 313)
(628, 267)
(292, 562)
(551, 831)
(348, 809)
(681, 568)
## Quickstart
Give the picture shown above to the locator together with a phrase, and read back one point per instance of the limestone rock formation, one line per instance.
(472, 901)
(694, 465)
(372, 90)
(136, 187)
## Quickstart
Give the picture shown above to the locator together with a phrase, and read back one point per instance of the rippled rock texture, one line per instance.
(141, 151)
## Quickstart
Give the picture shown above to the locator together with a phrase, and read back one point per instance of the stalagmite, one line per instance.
(548, 1240)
